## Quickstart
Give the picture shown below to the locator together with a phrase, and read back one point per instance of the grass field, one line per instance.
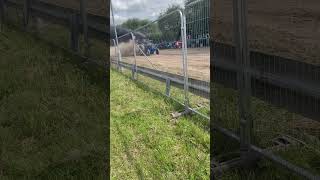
(269, 122)
(146, 143)
(52, 116)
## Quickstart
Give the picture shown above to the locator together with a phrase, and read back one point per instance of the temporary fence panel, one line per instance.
(93, 14)
(12, 13)
(270, 93)
(224, 88)
(156, 55)
(198, 55)
(63, 33)
(175, 50)
(68, 26)
(284, 51)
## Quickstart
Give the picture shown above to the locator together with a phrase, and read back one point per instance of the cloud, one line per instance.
(142, 9)
(120, 19)
(155, 14)
(128, 5)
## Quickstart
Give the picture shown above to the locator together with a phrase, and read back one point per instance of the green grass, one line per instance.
(52, 116)
(147, 143)
(269, 122)
(201, 104)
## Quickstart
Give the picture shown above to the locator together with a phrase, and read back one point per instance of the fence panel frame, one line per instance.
(184, 59)
(244, 72)
(196, 15)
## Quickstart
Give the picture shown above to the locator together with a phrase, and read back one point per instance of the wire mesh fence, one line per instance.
(289, 110)
(68, 25)
(266, 88)
(155, 52)
(224, 89)
(225, 94)
(171, 55)
(198, 51)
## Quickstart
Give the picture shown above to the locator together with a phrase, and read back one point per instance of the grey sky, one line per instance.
(143, 9)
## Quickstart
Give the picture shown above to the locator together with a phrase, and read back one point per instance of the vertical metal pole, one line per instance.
(83, 11)
(244, 80)
(107, 95)
(116, 34)
(184, 59)
(2, 14)
(186, 62)
(74, 32)
(26, 13)
(134, 54)
(212, 15)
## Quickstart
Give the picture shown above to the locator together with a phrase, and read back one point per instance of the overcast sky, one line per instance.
(143, 9)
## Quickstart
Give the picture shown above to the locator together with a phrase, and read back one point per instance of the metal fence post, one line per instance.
(184, 59)
(84, 18)
(26, 13)
(116, 34)
(74, 32)
(244, 79)
(2, 14)
(134, 70)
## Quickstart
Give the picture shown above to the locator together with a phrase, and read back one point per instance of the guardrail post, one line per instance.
(244, 80)
(168, 87)
(74, 32)
(84, 18)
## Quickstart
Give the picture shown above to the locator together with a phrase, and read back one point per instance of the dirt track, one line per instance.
(171, 61)
(288, 28)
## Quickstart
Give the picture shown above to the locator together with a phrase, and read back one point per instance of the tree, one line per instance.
(148, 29)
(170, 24)
(134, 23)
